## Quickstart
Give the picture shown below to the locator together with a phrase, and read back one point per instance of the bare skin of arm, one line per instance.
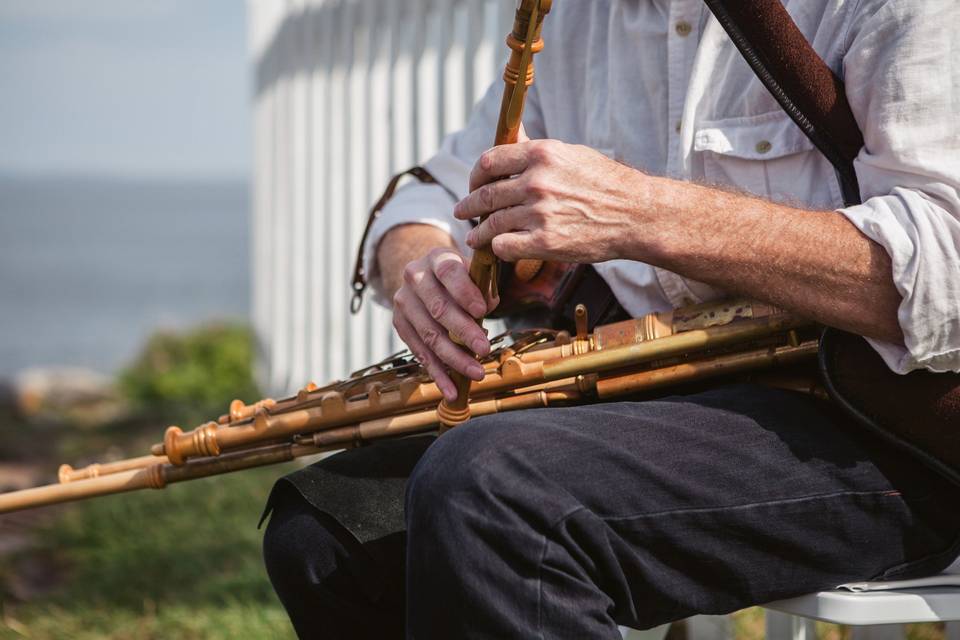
(401, 246)
(571, 203)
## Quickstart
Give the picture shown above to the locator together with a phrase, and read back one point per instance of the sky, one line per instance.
(130, 88)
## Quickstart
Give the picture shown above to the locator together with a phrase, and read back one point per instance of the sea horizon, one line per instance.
(92, 264)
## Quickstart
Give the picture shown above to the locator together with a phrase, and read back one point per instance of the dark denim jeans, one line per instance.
(564, 523)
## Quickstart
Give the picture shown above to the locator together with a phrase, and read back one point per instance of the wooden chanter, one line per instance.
(524, 42)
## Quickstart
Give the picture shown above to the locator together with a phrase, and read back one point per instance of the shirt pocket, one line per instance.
(769, 156)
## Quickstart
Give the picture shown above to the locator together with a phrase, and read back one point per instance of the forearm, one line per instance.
(402, 245)
(815, 263)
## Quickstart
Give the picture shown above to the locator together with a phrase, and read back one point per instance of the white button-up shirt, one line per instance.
(658, 85)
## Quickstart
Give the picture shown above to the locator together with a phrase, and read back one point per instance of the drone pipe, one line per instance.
(156, 476)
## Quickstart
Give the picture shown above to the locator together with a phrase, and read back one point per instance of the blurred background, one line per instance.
(125, 155)
(124, 173)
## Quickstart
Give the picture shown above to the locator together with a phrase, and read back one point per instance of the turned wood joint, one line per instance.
(202, 441)
(171, 445)
(451, 417)
(155, 477)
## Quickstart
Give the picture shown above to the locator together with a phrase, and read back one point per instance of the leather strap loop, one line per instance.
(360, 276)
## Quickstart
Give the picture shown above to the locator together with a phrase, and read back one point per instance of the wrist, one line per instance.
(401, 245)
(658, 217)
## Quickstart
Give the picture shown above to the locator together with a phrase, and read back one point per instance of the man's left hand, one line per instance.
(554, 201)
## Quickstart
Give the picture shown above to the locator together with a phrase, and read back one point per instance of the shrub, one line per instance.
(192, 376)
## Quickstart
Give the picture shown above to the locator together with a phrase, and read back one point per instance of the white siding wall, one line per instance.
(346, 93)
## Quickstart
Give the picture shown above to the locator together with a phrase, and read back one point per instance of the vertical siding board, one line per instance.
(429, 24)
(402, 97)
(378, 152)
(314, 236)
(455, 98)
(299, 136)
(336, 215)
(317, 170)
(348, 92)
(280, 251)
(359, 126)
(261, 25)
(325, 179)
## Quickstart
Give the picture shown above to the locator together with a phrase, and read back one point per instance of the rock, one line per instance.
(65, 394)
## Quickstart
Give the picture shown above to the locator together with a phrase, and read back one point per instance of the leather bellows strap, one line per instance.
(920, 412)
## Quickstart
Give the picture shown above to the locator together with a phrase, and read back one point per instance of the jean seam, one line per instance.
(543, 557)
(560, 520)
(748, 505)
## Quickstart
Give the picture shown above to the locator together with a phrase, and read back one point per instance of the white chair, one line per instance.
(876, 610)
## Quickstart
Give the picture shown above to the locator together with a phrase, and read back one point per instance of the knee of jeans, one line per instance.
(298, 548)
(461, 468)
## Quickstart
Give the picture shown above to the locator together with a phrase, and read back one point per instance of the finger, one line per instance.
(491, 197)
(436, 339)
(441, 308)
(498, 223)
(453, 275)
(420, 351)
(500, 162)
(516, 246)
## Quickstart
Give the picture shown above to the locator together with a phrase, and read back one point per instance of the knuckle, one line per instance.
(439, 307)
(537, 184)
(399, 300)
(485, 197)
(446, 269)
(539, 212)
(431, 338)
(410, 272)
(502, 249)
(544, 150)
(486, 161)
(548, 241)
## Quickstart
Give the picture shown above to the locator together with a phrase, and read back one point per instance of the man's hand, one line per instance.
(553, 201)
(437, 298)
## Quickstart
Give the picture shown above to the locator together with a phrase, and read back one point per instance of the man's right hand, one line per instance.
(437, 299)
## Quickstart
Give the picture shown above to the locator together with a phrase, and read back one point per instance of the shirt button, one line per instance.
(764, 146)
(676, 127)
(683, 28)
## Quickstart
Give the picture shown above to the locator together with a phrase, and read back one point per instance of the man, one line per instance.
(564, 523)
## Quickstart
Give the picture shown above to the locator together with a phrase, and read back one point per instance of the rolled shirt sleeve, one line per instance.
(902, 73)
(431, 204)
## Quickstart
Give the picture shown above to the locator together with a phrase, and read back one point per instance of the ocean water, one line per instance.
(89, 268)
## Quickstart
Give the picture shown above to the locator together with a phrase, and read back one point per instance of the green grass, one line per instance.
(748, 624)
(179, 563)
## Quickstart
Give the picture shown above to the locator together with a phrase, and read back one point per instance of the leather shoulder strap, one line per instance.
(798, 78)
(359, 281)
